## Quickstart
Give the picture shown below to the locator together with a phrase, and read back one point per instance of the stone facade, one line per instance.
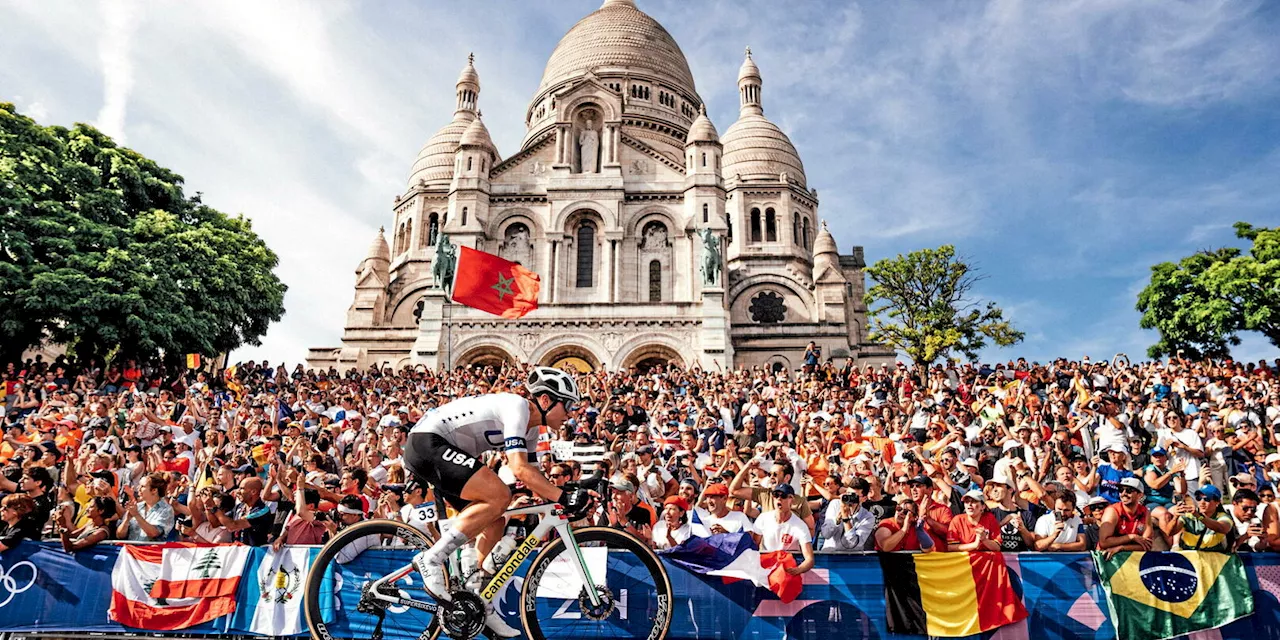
(656, 238)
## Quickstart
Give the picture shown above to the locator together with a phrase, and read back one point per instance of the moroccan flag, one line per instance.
(949, 594)
(1154, 595)
(489, 283)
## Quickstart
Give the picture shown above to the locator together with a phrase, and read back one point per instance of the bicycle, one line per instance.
(630, 595)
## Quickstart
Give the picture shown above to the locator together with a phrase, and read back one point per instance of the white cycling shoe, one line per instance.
(496, 625)
(432, 577)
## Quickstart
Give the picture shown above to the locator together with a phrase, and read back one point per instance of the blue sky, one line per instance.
(1064, 147)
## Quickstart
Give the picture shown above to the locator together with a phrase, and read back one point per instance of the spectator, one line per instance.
(1250, 530)
(780, 473)
(419, 509)
(1126, 525)
(624, 510)
(780, 529)
(1203, 525)
(98, 514)
(1062, 529)
(935, 516)
(202, 526)
(15, 510)
(1159, 477)
(905, 531)
(673, 527)
(1110, 473)
(1185, 446)
(717, 517)
(306, 525)
(147, 517)
(846, 525)
(976, 529)
(1092, 518)
(252, 520)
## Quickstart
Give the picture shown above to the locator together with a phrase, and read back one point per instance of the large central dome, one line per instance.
(618, 36)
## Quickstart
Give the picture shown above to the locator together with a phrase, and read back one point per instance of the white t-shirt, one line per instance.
(733, 522)
(1070, 529)
(419, 516)
(660, 534)
(790, 535)
(1187, 437)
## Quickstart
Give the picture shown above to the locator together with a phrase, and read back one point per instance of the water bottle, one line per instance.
(501, 552)
(469, 560)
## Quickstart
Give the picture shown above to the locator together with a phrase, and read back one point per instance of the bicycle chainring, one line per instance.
(606, 603)
(463, 617)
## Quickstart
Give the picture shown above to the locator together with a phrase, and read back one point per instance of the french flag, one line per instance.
(735, 556)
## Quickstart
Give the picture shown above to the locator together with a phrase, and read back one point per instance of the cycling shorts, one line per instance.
(435, 461)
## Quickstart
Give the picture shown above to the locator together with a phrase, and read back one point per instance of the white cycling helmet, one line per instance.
(555, 382)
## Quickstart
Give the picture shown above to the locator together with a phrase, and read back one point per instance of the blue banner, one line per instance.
(44, 589)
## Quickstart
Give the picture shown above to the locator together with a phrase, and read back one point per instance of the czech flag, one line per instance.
(486, 282)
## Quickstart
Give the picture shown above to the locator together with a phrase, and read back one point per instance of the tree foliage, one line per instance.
(100, 250)
(1200, 304)
(921, 305)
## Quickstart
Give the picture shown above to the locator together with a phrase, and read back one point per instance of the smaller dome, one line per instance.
(757, 149)
(435, 160)
(702, 130)
(749, 68)
(469, 75)
(825, 243)
(477, 135)
(378, 249)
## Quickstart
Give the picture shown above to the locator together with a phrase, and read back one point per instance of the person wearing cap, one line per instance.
(625, 511)
(1126, 525)
(1202, 524)
(780, 473)
(419, 510)
(673, 525)
(780, 529)
(1160, 479)
(1184, 445)
(903, 530)
(717, 518)
(1111, 472)
(976, 529)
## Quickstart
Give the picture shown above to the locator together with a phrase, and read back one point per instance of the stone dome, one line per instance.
(477, 135)
(618, 36)
(435, 160)
(702, 130)
(757, 149)
(378, 249)
(825, 243)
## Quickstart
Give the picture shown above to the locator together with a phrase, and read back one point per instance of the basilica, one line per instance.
(656, 238)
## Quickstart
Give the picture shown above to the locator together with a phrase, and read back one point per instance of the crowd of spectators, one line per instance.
(1020, 456)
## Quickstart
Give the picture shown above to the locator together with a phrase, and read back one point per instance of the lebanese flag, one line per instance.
(176, 585)
(486, 282)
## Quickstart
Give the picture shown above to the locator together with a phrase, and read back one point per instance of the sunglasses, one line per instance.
(780, 495)
(906, 511)
(559, 475)
(1129, 490)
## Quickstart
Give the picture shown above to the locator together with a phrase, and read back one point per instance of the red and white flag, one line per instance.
(175, 586)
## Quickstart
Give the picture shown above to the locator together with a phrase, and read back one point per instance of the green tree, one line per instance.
(1200, 304)
(100, 250)
(921, 305)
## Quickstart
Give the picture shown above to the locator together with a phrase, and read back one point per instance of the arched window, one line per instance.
(704, 159)
(755, 225)
(464, 216)
(468, 163)
(795, 229)
(586, 254)
(516, 244)
(408, 235)
(770, 225)
(729, 231)
(807, 239)
(655, 281)
(433, 229)
(706, 214)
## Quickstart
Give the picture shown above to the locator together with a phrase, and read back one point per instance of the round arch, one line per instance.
(560, 222)
(794, 287)
(571, 108)
(485, 355)
(507, 217)
(647, 355)
(653, 345)
(778, 363)
(656, 213)
(570, 356)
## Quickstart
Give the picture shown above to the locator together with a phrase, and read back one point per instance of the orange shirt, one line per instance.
(962, 530)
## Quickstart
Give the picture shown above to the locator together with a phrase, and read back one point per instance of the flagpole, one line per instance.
(448, 333)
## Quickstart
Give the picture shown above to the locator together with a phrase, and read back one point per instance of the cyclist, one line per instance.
(445, 447)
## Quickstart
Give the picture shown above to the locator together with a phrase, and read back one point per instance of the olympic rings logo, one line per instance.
(10, 583)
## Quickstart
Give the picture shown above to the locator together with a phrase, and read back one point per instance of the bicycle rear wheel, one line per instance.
(347, 565)
(629, 577)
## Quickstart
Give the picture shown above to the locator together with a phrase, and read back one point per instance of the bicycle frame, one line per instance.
(552, 518)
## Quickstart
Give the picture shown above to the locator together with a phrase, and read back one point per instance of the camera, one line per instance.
(849, 498)
(909, 456)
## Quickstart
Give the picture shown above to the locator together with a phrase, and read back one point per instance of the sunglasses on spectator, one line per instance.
(908, 511)
(779, 495)
(558, 475)
(1129, 490)
(1248, 507)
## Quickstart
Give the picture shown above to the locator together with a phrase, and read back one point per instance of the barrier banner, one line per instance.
(44, 589)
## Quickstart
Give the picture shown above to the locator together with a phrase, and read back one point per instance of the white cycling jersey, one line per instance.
(475, 424)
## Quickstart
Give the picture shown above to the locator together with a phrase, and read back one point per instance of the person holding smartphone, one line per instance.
(1062, 528)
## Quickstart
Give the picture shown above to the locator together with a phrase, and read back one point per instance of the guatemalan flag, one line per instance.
(271, 594)
(734, 556)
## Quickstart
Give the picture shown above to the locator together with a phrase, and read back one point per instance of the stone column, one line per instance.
(548, 268)
(606, 277)
(554, 269)
(714, 345)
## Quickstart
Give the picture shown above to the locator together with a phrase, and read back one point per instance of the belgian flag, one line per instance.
(949, 595)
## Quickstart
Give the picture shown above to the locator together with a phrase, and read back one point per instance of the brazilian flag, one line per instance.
(1157, 595)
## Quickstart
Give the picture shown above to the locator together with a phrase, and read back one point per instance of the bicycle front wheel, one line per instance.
(334, 600)
(633, 586)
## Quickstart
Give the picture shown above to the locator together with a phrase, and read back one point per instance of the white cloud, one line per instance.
(120, 21)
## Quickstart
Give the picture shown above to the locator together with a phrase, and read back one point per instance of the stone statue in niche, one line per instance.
(589, 145)
(443, 265)
(711, 258)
